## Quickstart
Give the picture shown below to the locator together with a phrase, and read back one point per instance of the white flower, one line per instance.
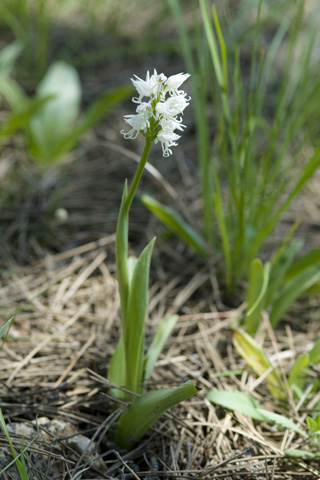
(159, 109)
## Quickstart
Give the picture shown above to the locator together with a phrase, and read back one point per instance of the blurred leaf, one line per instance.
(294, 452)
(102, 106)
(292, 290)
(144, 412)
(248, 405)
(163, 332)
(117, 370)
(281, 420)
(280, 264)
(258, 284)
(51, 127)
(236, 401)
(301, 362)
(122, 256)
(8, 57)
(253, 354)
(18, 120)
(303, 262)
(4, 330)
(135, 320)
(314, 353)
(176, 224)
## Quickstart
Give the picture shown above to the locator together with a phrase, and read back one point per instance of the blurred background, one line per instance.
(53, 201)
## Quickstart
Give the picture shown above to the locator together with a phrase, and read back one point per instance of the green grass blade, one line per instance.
(4, 330)
(258, 284)
(176, 224)
(292, 290)
(296, 376)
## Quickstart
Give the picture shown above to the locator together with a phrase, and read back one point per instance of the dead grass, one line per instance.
(55, 361)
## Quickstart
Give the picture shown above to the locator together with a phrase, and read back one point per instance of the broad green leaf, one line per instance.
(117, 370)
(301, 362)
(237, 401)
(281, 420)
(135, 320)
(253, 354)
(176, 224)
(292, 290)
(258, 284)
(145, 411)
(52, 126)
(294, 452)
(102, 106)
(163, 332)
(248, 405)
(314, 353)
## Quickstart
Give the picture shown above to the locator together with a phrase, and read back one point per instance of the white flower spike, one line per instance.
(159, 109)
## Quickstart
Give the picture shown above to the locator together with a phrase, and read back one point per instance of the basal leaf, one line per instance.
(144, 412)
(176, 224)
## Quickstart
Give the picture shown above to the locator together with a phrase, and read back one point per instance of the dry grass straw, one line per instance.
(55, 361)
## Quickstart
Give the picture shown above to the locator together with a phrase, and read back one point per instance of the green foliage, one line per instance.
(252, 170)
(254, 355)
(300, 375)
(275, 286)
(52, 120)
(313, 424)
(18, 459)
(176, 224)
(248, 405)
(145, 410)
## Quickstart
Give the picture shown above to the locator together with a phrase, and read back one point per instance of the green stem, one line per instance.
(138, 174)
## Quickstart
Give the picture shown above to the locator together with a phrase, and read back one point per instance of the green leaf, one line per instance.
(4, 330)
(8, 57)
(303, 262)
(102, 106)
(281, 420)
(163, 332)
(314, 353)
(258, 284)
(301, 362)
(19, 119)
(135, 320)
(292, 290)
(247, 405)
(117, 370)
(144, 412)
(253, 354)
(51, 127)
(237, 401)
(176, 224)
(122, 256)
(294, 452)
(280, 264)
